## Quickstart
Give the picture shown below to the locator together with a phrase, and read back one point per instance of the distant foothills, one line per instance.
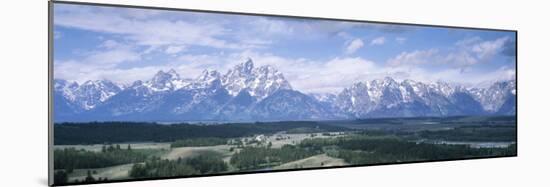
(248, 93)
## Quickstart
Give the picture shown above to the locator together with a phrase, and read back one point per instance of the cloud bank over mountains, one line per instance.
(123, 45)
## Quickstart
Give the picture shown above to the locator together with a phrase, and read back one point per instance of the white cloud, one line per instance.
(488, 49)
(109, 44)
(152, 31)
(306, 75)
(79, 72)
(354, 45)
(109, 55)
(344, 35)
(174, 49)
(313, 76)
(303, 74)
(378, 41)
(334, 75)
(144, 30)
(472, 78)
(413, 58)
(191, 66)
(332, 27)
(452, 65)
(272, 26)
(460, 59)
(466, 53)
(113, 57)
(503, 73)
(400, 40)
(468, 41)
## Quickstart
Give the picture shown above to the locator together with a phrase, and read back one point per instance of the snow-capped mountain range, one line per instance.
(248, 93)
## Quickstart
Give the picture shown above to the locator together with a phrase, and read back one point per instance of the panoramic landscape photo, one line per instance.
(145, 94)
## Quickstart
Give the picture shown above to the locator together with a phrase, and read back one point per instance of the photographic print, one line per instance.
(149, 93)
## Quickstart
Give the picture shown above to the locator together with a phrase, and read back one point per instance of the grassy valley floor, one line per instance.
(172, 150)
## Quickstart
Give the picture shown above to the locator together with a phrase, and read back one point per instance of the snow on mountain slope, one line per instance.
(494, 97)
(259, 82)
(389, 98)
(87, 95)
(166, 81)
(248, 93)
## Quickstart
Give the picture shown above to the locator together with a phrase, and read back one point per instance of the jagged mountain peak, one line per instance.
(387, 97)
(259, 82)
(136, 83)
(389, 80)
(495, 95)
(91, 82)
(208, 75)
(409, 81)
(172, 72)
(103, 82)
(244, 68)
(383, 82)
(207, 79)
(165, 81)
(248, 65)
(267, 69)
(60, 84)
(442, 88)
(88, 94)
(504, 84)
(360, 86)
(162, 76)
(252, 92)
(324, 97)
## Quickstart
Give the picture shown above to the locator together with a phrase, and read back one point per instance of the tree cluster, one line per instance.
(489, 133)
(261, 157)
(71, 158)
(196, 142)
(367, 150)
(111, 132)
(202, 164)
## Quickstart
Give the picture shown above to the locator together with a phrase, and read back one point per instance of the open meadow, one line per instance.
(153, 150)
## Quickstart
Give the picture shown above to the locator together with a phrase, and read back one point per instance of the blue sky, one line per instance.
(318, 56)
